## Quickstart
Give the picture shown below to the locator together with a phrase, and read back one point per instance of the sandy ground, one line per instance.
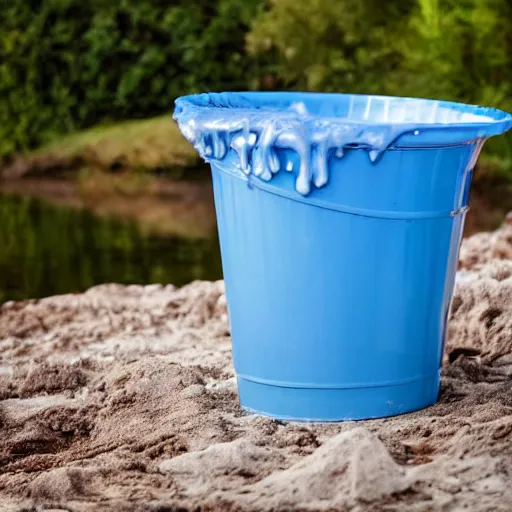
(124, 399)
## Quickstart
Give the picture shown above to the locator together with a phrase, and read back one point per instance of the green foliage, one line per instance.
(451, 49)
(462, 51)
(68, 64)
(459, 50)
(346, 45)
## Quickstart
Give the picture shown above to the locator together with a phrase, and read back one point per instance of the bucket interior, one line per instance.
(348, 107)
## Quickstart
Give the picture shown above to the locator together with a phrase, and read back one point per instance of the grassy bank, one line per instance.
(153, 145)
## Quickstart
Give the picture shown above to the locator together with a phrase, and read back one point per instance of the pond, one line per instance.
(47, 250)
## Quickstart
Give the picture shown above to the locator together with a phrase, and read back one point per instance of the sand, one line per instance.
(123, 398)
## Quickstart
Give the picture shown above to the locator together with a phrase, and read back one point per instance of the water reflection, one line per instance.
(46, 250)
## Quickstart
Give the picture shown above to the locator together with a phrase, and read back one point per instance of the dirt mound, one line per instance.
(349, 468)
(481, 315)
(484, 247)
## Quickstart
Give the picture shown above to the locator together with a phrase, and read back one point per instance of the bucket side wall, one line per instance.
(350, 286)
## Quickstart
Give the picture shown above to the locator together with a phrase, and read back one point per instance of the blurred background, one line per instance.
(96, 183)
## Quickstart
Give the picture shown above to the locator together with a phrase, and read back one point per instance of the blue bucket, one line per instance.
(340, 219)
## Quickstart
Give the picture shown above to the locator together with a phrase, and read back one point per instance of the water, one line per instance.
(47, 250)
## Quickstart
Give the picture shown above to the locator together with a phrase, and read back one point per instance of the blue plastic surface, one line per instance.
(339, 296)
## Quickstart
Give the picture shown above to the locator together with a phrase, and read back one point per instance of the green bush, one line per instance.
(346, 45)
(449, 49)
(68, 64)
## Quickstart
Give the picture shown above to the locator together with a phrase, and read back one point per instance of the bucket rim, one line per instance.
(258, 102)
(315, 126)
